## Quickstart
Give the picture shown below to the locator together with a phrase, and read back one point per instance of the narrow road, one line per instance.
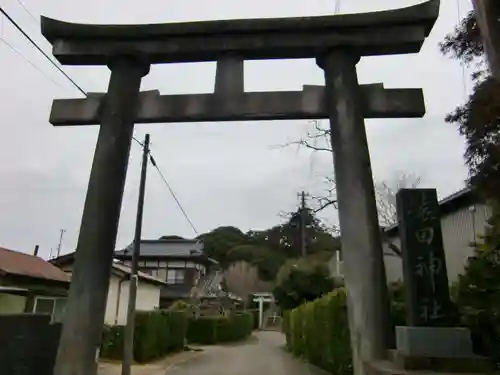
(261, 355)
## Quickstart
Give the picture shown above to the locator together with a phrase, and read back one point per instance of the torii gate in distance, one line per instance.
(336, 42)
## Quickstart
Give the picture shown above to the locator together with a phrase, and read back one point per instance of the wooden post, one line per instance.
(128, 343)
(83, 323)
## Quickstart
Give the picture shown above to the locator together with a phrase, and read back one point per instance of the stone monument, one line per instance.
(336, 42)
(430, 334)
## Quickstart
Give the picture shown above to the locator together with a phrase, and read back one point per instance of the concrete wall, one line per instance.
(12, 304)
(242, 279)
(148, 298)
(459, 230)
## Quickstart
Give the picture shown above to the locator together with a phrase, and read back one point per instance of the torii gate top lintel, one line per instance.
(375, 33)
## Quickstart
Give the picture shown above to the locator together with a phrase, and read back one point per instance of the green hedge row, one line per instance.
(156, 334)
(218, 329)
(255, 317)
(319, 332)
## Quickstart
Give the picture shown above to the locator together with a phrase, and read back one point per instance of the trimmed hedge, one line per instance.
(318, 331)
(156, 334)
(255, 316)
(218, 329)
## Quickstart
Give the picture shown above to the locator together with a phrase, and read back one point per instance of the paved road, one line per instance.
(263, 354)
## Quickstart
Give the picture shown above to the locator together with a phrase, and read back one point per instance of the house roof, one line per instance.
(120, 268)
(166, 248)
(169, 247)
(21, 264)
(126, 270)
(448, 205)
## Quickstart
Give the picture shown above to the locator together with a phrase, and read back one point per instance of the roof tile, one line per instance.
(16, 263)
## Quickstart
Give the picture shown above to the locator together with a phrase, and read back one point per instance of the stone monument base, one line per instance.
(435, 342)
(457, 365)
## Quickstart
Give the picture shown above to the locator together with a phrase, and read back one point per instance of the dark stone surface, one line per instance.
(425, 13)
(377, 33)
(377, 102)
(362, 254)
(85, 309)
(28, 344)
(424, 264)
(467, 365)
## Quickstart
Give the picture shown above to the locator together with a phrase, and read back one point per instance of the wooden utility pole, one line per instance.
(128, 344)
(60, 242)
(487, 16)
(303, 233)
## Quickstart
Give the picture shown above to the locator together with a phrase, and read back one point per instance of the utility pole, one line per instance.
(128, 344)
(60, 242)
(303, 233)
(487, 17)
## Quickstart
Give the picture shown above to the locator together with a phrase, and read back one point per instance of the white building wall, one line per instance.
(459, 230)
(148, 298)
(114, 303)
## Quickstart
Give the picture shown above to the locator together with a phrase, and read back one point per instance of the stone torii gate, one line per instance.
(336, 42)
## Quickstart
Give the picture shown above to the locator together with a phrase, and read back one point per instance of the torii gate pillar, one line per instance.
(360, 235)
(88, 292)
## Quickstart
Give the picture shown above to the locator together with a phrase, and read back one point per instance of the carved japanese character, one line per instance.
(425, 235)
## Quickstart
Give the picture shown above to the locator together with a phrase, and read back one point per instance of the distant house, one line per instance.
(29, 284)
(181, 263)
(148, 290)
(463, 218)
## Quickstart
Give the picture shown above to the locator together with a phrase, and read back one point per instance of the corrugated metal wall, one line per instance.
(459, 230)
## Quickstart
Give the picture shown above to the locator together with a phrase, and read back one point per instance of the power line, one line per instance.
(27, 11)
(173, 193)
(14, 49)
(153, 161)
(20, 29)
(139, 142)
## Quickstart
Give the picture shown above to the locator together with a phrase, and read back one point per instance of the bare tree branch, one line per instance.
(317, 140)
(385, 191)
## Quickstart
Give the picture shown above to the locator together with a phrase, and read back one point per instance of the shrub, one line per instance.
(156, 334)
(255, 318)
(179, 305)
(217, 329)
(318, 331)
(112, 342)
(478, 292)
(305, 282)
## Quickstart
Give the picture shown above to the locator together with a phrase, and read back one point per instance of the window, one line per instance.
(175, 276)
(54, 307)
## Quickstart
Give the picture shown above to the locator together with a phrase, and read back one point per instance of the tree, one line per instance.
(172, 237)
(319, 140)
(267, 261)
(285, 238)
(300, 283)
(385, 196)
(478, 120)
(218, 242)
(478, 291)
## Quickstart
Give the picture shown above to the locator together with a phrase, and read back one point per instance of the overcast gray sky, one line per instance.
(223, 173)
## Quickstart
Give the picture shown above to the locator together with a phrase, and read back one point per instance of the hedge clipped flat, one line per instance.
(219, 329)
